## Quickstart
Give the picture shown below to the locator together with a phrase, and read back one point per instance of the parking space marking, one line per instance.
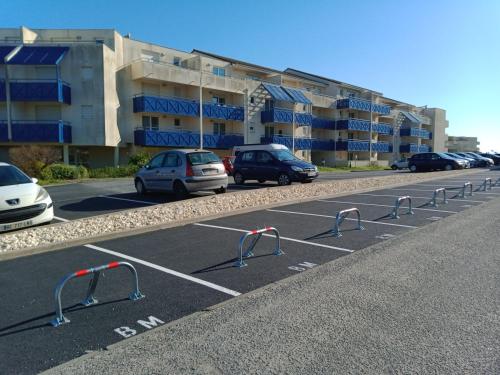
(128, 200)
(333, 217)
(166, 270)
(281, 237)
(428, 198)
(386, 205)
(475, 192)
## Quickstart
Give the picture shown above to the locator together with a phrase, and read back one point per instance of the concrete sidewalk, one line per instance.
(424, 303)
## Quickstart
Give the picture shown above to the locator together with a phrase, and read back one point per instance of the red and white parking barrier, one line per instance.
(258, 234)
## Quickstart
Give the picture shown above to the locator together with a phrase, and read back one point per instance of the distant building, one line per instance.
(100, 97)
(462, 144)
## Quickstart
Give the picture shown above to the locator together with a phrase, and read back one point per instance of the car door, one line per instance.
(168, 171)
(266, 168)
(151, 174)
(248, 165)
(437, 162)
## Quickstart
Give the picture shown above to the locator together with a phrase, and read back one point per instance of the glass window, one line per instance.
(157, 161)
(145, 122)
(10, 175)
(264, 157)
(269, 104)
(197, 158)
(248, 156)
(218, 71)
(171, 160)
(155, 123)
(252, 99)
(177, 122)
(177, 61)
(218, 100)
(282, 155)
(219, 128)
(268, 131)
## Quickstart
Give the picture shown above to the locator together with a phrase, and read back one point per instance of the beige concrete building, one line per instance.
(462, 144)
(102, 97)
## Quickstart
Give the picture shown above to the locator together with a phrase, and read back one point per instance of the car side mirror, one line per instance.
(147, 166)
(35, 180)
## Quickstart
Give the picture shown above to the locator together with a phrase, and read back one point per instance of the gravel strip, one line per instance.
(97, 227)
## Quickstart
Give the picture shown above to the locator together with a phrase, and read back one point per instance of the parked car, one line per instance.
(228, 162)
(429, 161)
(469, 161)
(23, 203)
(399, 164)
(274, 165)
(481, 162)
(182, 171)
(494, 157)
(489, 161)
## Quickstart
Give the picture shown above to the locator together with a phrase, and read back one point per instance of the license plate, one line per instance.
(209, 171)
(22, 224)
(310, 174)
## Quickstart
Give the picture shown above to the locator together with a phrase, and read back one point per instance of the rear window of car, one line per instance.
(10, 175)
(198, 158)
(248, 156)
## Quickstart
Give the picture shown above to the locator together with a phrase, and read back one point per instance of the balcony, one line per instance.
(355, 145)
(322, 145)
(285, 116)
(413, 148)
(37, 91)
(186, 107)
(299, 143)
(157, 138)
(37, 131)
(363, 105)
(323, 123)
(415, 132)
(364, 126)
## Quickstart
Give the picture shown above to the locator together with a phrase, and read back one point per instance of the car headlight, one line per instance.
(315, 168)
(42, 195)
(297, 169)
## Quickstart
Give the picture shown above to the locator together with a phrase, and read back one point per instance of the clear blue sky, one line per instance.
(442, 53)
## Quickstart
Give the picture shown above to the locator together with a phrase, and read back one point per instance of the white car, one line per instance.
(23, 203)
(399, 164)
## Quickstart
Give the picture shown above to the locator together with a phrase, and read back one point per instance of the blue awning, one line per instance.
(297, 95)
(413, 118)
(36, 55)
(4, 51)
(277, 92)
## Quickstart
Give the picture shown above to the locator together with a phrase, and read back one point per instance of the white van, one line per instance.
(259, 147)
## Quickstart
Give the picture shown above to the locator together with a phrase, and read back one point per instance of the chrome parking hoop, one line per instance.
(258, 235)
(89, 299)
(339, 219)
(463, 188)
(484, 184)
(395, 211)
(433, 202)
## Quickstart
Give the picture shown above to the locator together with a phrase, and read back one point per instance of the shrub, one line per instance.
(113, 172)
(140, 159)
(64, 172)
(34, 159)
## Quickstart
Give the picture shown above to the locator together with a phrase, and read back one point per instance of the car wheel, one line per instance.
(448, 167)
(284, 179)
(238, 178)
(413, 168)
(180, 190)
(393, 167)
(139, 187)
(261, 181)
(222, 190)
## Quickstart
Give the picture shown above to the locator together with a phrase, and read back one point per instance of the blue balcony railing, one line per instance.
(322, 145)
(355, 145)
(415, 132)
(37, 91)
(37, 131)
(323, 123)
(414, 148)
(299, 143)
(186, 107)
(285, 116)
(157, 138)
(363, 125)
(363, 105)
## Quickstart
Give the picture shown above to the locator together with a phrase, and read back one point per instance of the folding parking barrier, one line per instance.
(463, 188)
(339, 219)
(433, 202)
(484, 184)
(249, 253)
(89, 299)
(395, 211)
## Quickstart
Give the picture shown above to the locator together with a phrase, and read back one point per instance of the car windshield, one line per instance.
(282, 155)
(10, 175)
(198, 158)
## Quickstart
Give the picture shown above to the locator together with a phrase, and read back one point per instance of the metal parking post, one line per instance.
(395, 211)
(463, 188)
(340, 217)
(433, 201)
(90, 299)
(258, 235)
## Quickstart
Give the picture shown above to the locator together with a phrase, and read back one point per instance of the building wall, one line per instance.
(462, 144)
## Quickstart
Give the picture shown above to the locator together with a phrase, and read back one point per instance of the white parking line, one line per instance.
(333, 217)
(386, 205)
(128, 200)
(476, 192)
(166, 270)
(428, 198)
(281, 237)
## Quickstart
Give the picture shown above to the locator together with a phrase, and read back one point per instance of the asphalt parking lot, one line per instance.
(190, 268)
(90, 198)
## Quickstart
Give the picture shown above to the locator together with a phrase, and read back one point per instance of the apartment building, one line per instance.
(100, 97)
(462, 144)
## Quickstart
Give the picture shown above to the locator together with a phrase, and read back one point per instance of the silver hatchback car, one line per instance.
(182, 171)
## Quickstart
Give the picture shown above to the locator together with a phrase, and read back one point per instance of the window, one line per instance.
(219, 128)
(248, 156)
(218, 100)
(87, 112)
(155, 123)
(269, 105)
(150, 123)
(198, 158)
(264, 157)
(269, 131)
(87, 73)
(218, 71)
(157, 161)
(171, 160)
(352, 115)
(252, 100)
(177, 122)
(177, 61)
